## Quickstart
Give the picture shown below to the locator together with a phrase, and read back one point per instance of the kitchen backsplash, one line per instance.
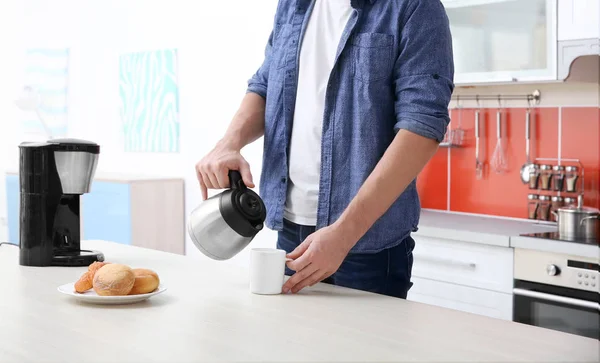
(449, 181)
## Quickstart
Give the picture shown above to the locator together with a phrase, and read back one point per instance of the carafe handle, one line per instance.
(236, 181)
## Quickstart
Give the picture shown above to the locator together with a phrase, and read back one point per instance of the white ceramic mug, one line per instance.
(267, 270)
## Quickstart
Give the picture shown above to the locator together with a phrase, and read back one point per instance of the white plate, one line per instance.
(90, 296)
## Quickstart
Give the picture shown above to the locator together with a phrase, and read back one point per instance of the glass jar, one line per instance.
(572, 175)
(532, 206)
(534, 176)
(544, 208)
(558, 179)
(570, 202)
(545, 177)
(557, 202)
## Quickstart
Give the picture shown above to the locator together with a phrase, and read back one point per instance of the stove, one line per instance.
(557, 237)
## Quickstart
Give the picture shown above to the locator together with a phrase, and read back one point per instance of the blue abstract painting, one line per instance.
(47, 72)
(149, 101)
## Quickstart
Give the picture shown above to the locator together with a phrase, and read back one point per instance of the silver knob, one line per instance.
(552, 270)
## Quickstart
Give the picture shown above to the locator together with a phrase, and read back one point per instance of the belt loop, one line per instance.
(389, 258)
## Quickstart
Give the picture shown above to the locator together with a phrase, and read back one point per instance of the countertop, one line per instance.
(496, 231)
(477, 229)
(208, 314)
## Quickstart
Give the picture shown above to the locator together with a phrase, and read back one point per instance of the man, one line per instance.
(352, 101)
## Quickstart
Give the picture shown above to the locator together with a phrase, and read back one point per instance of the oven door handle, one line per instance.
(556, 298)
(444, 261)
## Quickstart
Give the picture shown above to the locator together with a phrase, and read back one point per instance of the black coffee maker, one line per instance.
(52, 176)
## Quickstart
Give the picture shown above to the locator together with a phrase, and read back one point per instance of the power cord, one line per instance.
(8, 243)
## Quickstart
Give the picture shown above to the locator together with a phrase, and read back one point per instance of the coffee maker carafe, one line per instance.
(52, 176)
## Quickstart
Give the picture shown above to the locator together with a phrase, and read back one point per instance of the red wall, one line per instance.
(568, 132)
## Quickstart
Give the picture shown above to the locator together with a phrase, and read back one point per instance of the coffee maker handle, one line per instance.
(235, 180)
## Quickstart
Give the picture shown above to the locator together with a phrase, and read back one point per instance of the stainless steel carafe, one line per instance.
(226, 223)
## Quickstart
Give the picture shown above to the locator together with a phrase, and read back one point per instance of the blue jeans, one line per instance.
(386, 272)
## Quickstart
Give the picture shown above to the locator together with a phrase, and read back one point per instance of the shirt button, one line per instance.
(283, 180)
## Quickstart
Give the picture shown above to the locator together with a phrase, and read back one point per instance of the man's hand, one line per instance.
(213, 170)
(247, 125)
(323, 252)
(318, 257)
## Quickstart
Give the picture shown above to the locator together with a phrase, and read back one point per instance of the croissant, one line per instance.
(86, 280)
(84, 283)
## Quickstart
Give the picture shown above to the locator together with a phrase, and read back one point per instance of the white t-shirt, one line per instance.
(317, 55)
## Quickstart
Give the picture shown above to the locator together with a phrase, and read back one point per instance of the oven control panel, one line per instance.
(587, 278)
(557, 269)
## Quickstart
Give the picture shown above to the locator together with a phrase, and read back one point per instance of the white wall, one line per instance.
(220, 45)
(9, 25)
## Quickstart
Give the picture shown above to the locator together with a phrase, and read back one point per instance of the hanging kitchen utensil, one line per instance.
(226, 223)
(454, 136)
(499, 162)
(528, 168)
(458, 133)
(478, 161)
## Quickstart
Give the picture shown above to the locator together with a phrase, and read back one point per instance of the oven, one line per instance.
(557, 291)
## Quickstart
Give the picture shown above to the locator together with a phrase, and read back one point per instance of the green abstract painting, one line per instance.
(149, 101)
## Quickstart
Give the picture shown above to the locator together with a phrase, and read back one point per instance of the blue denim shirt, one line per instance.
(393, 70)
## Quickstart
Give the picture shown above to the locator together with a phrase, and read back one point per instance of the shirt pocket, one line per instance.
(372, 56)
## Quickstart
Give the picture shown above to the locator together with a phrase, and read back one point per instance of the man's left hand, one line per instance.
(318, 257)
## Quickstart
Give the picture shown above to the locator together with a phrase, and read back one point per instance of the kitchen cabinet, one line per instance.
(108, 204)
(467, 276)
(131, 210)
(499, 41)
(462, 298)
(578, 32)
(143, 212)
(578, 19)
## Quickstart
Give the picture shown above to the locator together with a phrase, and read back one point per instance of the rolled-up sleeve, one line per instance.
(424, 70)
(258, 83)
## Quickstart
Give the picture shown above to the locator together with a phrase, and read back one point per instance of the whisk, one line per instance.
(499, 161)
(478, 161)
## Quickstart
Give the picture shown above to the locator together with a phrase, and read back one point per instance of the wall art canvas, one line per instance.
(149, 101)
(47, 74)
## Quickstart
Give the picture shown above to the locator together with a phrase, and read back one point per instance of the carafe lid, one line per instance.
(242, 209)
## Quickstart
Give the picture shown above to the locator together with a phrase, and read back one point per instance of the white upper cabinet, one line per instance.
(578, 36)
(503, 41)
(578, 19)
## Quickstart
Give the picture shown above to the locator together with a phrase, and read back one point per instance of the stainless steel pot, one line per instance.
(579, 222)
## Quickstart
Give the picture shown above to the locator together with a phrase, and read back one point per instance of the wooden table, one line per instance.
(208, 314)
